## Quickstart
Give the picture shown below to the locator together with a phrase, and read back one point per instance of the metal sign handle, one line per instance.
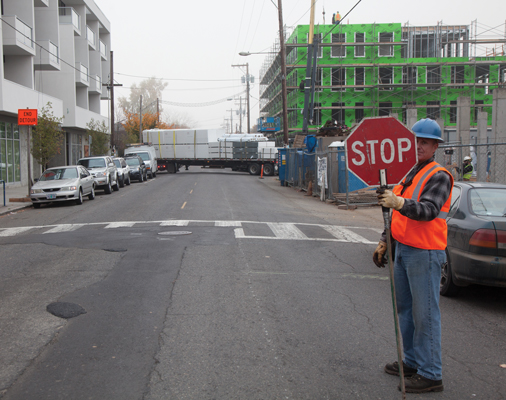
(387, 220)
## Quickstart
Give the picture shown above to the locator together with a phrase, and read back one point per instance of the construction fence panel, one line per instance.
(328, 175)
(488, 159)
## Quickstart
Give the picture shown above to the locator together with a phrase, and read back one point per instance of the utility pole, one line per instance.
(140, 120)
(231, 121)
(284, 92)
(157, 111)
(110, 86)
(248, 78)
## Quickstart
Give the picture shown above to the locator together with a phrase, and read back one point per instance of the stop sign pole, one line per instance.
(381, 151)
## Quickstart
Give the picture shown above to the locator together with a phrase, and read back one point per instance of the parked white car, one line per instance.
(68, 183)
(104, 172)
(123, 171)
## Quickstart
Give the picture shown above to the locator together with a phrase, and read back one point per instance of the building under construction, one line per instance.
(366, 70)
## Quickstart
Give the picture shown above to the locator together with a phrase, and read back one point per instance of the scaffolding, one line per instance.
(381, 69)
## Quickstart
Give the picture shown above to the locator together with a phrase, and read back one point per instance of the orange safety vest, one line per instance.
(428, 235)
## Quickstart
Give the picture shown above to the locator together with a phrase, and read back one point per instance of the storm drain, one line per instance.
(174, 233)
(115, 250)
(65, 310)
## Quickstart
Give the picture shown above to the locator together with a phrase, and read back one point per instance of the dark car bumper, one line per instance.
(469, 268)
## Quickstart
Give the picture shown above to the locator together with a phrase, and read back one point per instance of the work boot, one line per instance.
(393, 369)
(419, 384)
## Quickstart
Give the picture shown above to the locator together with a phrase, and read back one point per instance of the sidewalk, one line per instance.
(16, 198)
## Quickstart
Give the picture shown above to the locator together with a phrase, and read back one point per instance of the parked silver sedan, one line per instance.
(69, 183)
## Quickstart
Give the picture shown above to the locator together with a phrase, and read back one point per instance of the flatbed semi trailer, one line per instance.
(254, 167)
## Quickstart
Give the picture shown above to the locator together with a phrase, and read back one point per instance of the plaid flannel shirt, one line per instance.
(434, 194)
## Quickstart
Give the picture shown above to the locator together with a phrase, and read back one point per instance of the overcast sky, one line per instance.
(192, 44)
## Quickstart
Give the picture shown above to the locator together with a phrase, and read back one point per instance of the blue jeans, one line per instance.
(417, 274)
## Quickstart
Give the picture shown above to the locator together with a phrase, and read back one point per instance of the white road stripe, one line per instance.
(14, 231)
(227, 223)
(175, 223)
(286, 231)
(64, 228)
(344, 234)
(113, 225)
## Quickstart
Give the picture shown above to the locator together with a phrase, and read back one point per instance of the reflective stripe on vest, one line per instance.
(429, 235)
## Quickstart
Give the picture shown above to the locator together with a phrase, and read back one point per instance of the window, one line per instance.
(317, 114)
(9, 152)
(386, 77)
(317, 37)
(433, 109)
(359, 50)
(338, 51)
(482, 75)
(457, 75)
(453, 112)
(409, 75)
(385, 109)
(386, 50)
(433, 76)
(359, 78)
(477, 108)
(359, 112)
(338, 112)
(318, 80)
(338, 79)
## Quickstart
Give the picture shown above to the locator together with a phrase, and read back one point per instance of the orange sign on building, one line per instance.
(27, 117)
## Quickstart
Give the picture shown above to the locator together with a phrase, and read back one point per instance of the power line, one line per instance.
(177, 79)
(209, 103)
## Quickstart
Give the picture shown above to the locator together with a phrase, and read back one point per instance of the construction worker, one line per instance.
(467, 168)
(419, 231)
(337, 18)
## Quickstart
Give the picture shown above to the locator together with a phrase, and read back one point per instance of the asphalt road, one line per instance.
(209, 284)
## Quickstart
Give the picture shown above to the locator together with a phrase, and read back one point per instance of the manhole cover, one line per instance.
(174, 233)
(65, 310)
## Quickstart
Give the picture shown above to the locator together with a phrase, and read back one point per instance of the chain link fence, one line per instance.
(324, 174)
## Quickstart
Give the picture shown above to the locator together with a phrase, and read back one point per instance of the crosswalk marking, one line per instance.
(242, 229)
(114, 225)
(344, 234)
(175, 223)
(228, 223)
(14, 231)
(286, 231)
(64, 228)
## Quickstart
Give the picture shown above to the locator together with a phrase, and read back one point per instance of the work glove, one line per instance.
(387, 198)
(379, 255)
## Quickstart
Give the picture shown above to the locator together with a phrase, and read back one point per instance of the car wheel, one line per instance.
(128, 181)
(108, 188)
(122, 181)
(91, 196)
(141, 177)
(36, 205)
(79, 199)
(154, 174)
(447, 287)
(116, 185)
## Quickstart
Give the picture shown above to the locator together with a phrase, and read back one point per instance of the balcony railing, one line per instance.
(90, 35)
(24, 33)
(54, 54)
(82, 78)
(103, 50)
(69, 16)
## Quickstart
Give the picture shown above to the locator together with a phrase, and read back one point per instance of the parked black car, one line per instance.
(476, 250)
(137, 168)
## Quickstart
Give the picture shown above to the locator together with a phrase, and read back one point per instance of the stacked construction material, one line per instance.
(209, 144)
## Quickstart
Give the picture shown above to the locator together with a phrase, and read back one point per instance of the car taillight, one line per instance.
(501, 239)
(484, 238)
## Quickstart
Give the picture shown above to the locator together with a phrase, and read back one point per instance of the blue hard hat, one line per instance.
(427, 128)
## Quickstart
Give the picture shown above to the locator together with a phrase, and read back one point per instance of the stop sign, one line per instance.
(380, 143)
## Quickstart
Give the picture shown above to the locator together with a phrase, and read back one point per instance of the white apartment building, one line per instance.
(55, 51)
